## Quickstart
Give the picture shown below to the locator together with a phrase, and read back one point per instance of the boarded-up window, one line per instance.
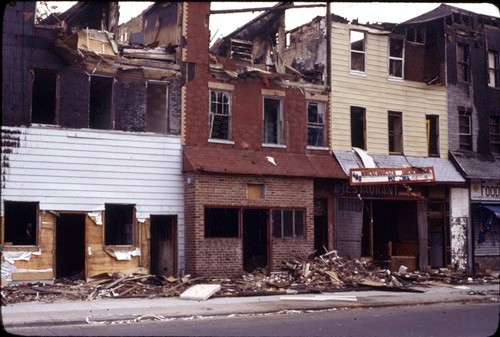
(222, 222)
(358, 127)
(119, 224)
(157, 107)
(273, 121)
(220, 115)
(21, 223)
(44, 97)
(315, 123)
(395, 132)
(288, 223)
(465, 128)
(255, 191)
(432, 135)
(357, 40)
(101, 91)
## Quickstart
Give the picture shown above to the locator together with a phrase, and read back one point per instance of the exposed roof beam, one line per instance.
(255, 9)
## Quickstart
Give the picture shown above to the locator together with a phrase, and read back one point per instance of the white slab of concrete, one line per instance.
(200, 292)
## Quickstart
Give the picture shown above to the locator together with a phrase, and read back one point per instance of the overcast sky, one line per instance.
(395, 12)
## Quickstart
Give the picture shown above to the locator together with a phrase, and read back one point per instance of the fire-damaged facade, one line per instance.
(91, 150)
(466, 47)
(404, 199)
(256, 152)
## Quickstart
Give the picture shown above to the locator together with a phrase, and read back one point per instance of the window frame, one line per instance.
(213, 114)
(493, 69)
(494, 135)
(465, 113)
(463, 65)
(44, 88)
(279, 122)
(6, 223)
(165, 128)
(429, 120)
(321, 110)
(396, 132)
(109, 228)
(357, 52)
(362, 111)
(392, 59)
(284, 232)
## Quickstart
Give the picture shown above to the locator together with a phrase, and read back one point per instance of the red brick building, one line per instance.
(256, 156)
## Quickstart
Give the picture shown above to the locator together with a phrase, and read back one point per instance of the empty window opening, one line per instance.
(164, 245)
(220, 115)
(101, 89)
(222, 222)
(463, 62)
(495, 134)
(396, 58)
(395, 132)
(315, 124)
(288, 223)
(255, 191)
(21, 223)
(273, 122)
(157, 108)
(70, 246)
(119, 225)
(432, 126)
(357, 40)
(416, 34)
(493, 69)
(465, 128)
(44, 97)
(358, 127)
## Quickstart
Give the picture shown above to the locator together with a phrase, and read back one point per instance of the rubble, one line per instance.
(321, 274)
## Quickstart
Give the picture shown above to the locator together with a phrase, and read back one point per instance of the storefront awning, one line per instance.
(494, 208)
(444, 170)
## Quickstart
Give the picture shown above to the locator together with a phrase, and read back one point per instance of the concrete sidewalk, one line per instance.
(104, 311)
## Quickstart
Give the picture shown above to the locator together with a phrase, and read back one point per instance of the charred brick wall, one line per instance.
(223, 256)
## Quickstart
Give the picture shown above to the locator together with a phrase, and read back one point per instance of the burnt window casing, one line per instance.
(119, 224)
(432, 126)
(222, 222)
(316, 124)
(395, 123)
(101, 98)
(396, 57)
(465, 128)
(494, 134)
(288, 223)
(493, 69)
(358, 50)
(44, 97)
(358, 127)
(20, 223)
(463, 62)
(273, 121)
(157, 107)
(220, 115)
(415, 34)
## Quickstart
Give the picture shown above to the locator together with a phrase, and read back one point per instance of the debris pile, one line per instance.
(324, 273)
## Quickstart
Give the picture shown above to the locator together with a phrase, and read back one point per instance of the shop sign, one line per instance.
(344, 189)
(404, 175)
(485, 189)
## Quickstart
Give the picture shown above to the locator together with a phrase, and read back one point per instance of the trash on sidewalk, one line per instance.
(200, 292)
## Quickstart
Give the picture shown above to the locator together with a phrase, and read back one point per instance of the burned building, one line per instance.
(464, 48)
(91, 151)
(256, 150)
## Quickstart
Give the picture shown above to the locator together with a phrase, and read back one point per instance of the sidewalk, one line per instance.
(112, 310)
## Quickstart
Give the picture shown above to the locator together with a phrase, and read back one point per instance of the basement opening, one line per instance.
(21, 223)
(101, 90)
(119, 224)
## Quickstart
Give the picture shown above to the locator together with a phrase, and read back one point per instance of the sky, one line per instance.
(394, 12)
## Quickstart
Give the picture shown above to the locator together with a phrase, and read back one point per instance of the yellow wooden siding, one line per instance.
(375, 92)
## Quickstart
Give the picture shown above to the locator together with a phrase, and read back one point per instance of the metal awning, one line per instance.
(494, 208)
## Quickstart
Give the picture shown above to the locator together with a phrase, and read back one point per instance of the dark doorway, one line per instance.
(320, 226)
(70, 246)
(439, 237)
(255, 239)
(164, 245)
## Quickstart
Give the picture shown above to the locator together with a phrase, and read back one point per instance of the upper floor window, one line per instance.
(288, 223)
(44, 97)
(432, 126)
(358, 127)
(157, 107)
(395, 132)
(273, 121)
(101, 91)
(396, 57)
(495, 134)
(463, 62)
(493, 69)
(220, 115)
(465, 128)
(358, 50)
(316, 124)
(21, 223)
(415, 34)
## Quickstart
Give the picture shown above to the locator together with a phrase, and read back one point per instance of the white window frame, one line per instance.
(212, 114)
(321, 106)
(493, 69)
(361, 52)
(280, 123)
(396, 59)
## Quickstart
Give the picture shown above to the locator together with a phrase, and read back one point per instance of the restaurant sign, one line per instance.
(404, 175)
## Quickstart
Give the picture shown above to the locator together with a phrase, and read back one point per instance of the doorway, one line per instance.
(255, 239)
(70, 246)
(163, 250)
(320, 227)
